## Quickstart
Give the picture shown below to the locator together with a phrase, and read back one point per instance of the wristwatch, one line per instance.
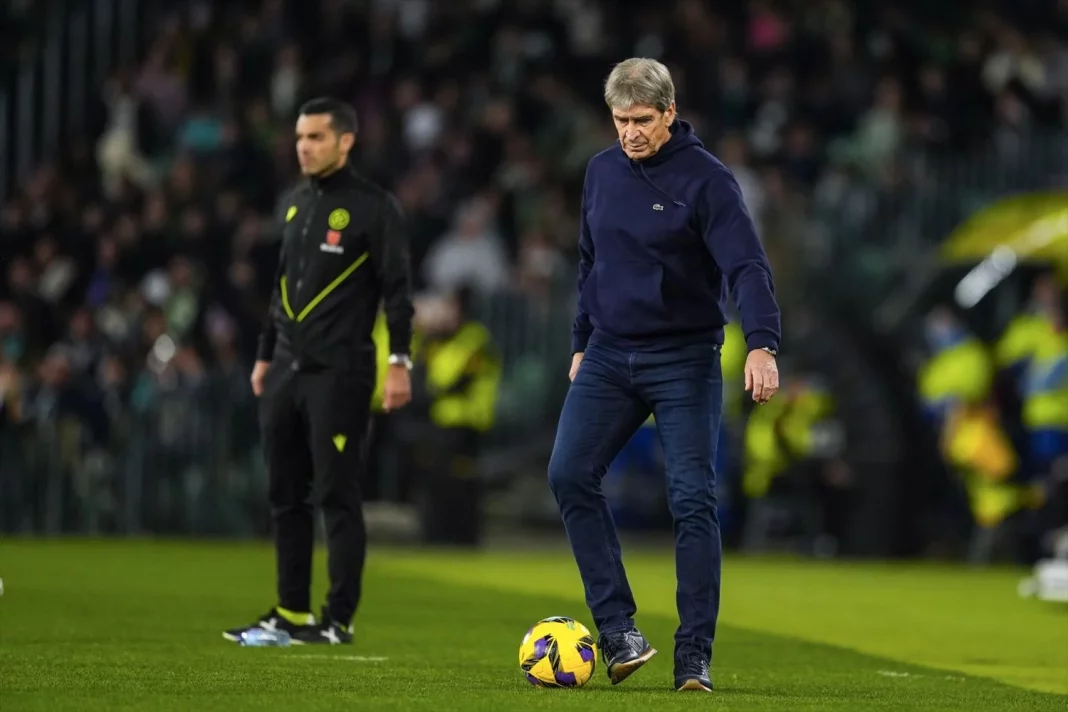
(400, 360)
(770, 350)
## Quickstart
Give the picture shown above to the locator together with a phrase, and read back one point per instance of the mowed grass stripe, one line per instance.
(958, 619)
(107, 626)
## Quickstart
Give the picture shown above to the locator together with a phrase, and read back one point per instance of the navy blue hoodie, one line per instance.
(662, 242)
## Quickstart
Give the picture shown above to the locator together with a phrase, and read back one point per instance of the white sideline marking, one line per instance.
(892, 673)
(353, 658)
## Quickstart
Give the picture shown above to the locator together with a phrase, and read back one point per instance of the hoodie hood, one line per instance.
(682, 138)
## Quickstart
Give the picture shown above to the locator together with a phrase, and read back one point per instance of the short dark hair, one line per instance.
(342, 116)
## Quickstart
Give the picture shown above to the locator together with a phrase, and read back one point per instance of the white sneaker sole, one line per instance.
(693, 685)
(621, 671)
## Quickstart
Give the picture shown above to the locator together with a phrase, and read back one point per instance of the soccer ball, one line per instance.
(558, 652)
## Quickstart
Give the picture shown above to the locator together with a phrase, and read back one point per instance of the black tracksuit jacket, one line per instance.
(344, 251)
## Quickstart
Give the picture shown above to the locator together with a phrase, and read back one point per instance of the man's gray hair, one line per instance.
(639, 80)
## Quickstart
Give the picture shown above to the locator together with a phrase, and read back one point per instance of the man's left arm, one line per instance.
(390, 259)
(732, 240)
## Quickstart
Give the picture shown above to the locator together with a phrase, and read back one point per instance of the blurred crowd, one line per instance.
(139, 261)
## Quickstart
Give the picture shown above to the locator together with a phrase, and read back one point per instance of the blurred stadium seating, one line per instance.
(144, 144)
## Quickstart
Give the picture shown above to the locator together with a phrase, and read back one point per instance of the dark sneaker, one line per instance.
(691, 673)
(623, 653)
(326, 632)
(272, 620)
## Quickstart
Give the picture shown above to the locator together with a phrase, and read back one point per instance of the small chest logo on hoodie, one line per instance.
(658, 206)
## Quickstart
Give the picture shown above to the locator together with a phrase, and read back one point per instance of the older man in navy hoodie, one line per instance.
(665, 235)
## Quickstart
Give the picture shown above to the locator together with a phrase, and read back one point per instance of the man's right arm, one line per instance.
(582, 328)
(269, 333)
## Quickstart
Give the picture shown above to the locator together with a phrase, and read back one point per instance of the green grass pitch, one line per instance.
(123, 626)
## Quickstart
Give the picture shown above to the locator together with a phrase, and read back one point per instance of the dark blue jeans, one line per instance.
(612, 395)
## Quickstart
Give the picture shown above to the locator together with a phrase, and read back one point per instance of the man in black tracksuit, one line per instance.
(344, 252)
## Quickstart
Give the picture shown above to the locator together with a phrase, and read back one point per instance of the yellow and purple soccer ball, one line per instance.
(558, 652)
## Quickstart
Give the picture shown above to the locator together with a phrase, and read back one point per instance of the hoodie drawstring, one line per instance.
(640, 173)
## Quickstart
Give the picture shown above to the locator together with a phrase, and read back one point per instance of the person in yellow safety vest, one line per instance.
(800, 428)
(978, 450)
(765, 456)
(463, 376)
(457, 364)
(959, 369)
(1044, 387)
(1025, 332)
(954, 384)
(459, 376)
(781, 433)
(1017, 343)
(1045, 401)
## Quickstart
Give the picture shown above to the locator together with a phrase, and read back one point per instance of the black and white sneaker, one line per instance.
(326, 632)
(272, 620)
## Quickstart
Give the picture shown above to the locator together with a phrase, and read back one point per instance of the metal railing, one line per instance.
(885, 236)
(46, 100)
(181, 455)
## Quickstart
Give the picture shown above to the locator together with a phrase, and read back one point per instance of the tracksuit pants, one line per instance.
(612, 395)
(314, 427)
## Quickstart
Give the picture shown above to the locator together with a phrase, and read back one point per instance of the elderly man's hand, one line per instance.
(761, 375)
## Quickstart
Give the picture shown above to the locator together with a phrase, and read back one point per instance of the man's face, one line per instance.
(320, 149)
(643, 129)
(1046, 294)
